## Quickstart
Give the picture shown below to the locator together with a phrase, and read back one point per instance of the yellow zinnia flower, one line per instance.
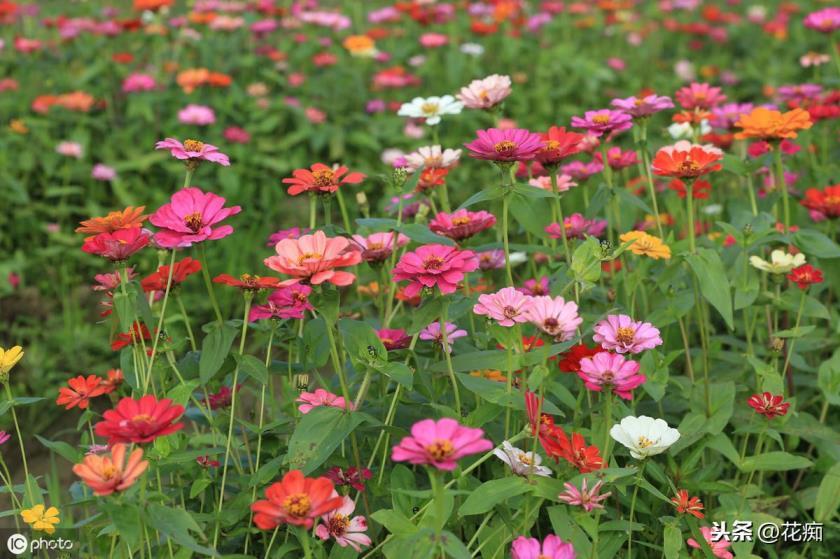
(8, 359)
(646, 245)
(41, 519)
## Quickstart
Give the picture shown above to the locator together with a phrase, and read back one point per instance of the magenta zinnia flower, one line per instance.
(554, 316)
(603, 121)
(189, 216)
(826, 20)
(432, 266)
(461, 224)
(396, 338)
(287, 302)
(507, 306)
(622, 334)
(193, 151)
(587, 499)
(640, 107)
(117, 245)
(378, 247)
(611, 371)
(618, 159)
(515, 144)
(440, 444)
(551, 547)
(535, 287)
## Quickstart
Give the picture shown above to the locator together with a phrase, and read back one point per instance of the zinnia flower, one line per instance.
(622, 334)
(189, 218)
(826, 20)
(767, 124)
(295, 500)
(321, 397)
(510, 144)
(640, 107)
(193, 151)
(286, 302)
(485, 93)
(8, 359)
(611, 371)
(768, 405)
(686, 160)
(645, 244)
(718, 545)
(105, 474)
(520, 462)
(826, 202)
(314, 259)
(248, 282)
(688, 505)
(119, 245)
(378, 247)
(103, 173)
(41, 519)
(552, 547)
(780, 262)
(352, 476)
(554, 316)
(461, 224)
(431, 108)
(507, 307)
(393, 338)
(79, 391)
(432, 266)
(183, 269)
(570, 360)
(588, 499)
(339, 525)
(603, 121)
(432, 333)
(558, 145)
(114, 221)
(320, 179)
(440, 444)
(644, 436)
(140, 421)
(432, 157)
(199, 115)
(805, 276)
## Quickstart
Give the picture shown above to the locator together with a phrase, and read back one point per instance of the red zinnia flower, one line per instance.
(247, 282)
(700, 190)
(79, 391)
(182, 270)
(558, 144)
(768, 405)
(124, 339)
(688, 505)
(295, 500)
(825, 202)
(113, 381)
(320, 179)
(119, 245)
(570, 362)
(140, 421)
(805, 275)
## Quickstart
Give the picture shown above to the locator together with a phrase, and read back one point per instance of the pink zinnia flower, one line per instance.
(588, 499)
(618, 159)
(321, 397)
(611, 371)
(640, 107)
(535, 287)
(513, 144)
(577, 227)
(279, 235)
(313, 258)
(378, 247)
(199, 115)
(117, 245)
(440, 444)
(236, 135)
(551, 547)
(603, 121)
(507, 306)
(461, 224)
(287, 302)
(4, 436)
(826, 20)
(193, 151)
(339, 525)
(485, 93)
(189, 218)
(432, 333)
(394, 338)
(432, 266)
(70, 149)
(103, 173)
(620, 333)
(491, 259)
(718, 547)
(564, 183)
(554, 316)
(138, 82)
(699, 96)
(580, 170)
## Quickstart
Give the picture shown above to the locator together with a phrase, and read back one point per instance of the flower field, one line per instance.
(420, 280)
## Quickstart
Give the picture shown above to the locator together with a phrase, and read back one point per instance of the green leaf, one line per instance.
(828, 495)
(816, 244)
(394, 521)
(318, 434)
(177, 524)
(714, 285)
(125, 518)
(400, 373)
(363, 345)
(776, 461)
(532, 215)
(490, 359)
(214, 349)
(316, 343)
(182, 392)
(795, 332)
(71, 454)
(492, 193)
(253, 367)
(671, 541)
(422, 234)
(327, 303)
(491, 493)
(586, 261)
(198, 486)
(828, 378)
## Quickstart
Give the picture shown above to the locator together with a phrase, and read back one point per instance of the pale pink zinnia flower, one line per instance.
(507, 306)
(719, 547)
(461, 224)
(341, 525)
(432, 266)
(622, 334)
(70, 149)
(199, 115)
(378, 247)
(193, 151)
(321, 397)
(485, 93)
(432, 333)
(313, 258)
(431, 157)
(189, 218)
(611, 371)
(564, 183)
(552, 547)
(554, 316)
(505, 145)
(588, 499)
(103, 173)
(440, 444)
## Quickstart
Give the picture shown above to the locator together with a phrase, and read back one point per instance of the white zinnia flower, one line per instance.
(472, 49)
(644, 436)
(432, 157)
(431, 108)
(780, 262)
(521, 463)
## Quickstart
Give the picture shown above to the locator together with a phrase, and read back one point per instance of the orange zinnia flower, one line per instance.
(688, 505)
(114, 221)
(768, 124)
(295, 500)
(686, 160)
(110, 472)
(79, 391)
(190, 79)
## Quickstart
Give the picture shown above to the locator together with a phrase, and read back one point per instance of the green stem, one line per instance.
(205, 273)
(186, 317)
(633, 510)
(159, 330)
(642, 145)
(558, 210)
(444, 340)
(345, 218)
(607, 425)
(313, 211)
(26, 487)
(689, 201)
(782, 183)
(796, 331)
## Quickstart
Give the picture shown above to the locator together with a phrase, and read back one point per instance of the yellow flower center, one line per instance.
(601, 119)
(309, 256)
(440, 450)
(429, 109)
(625, 335)
(510, 312)
(461, 220)
(525, 459)
(297, 505)
(109, 471)
(644, 442)
(339, 524)
(193, 145)
(324, 177)
(433, 263)
(689, 167)
(193, 221)
(505, 147)
(142, 418)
